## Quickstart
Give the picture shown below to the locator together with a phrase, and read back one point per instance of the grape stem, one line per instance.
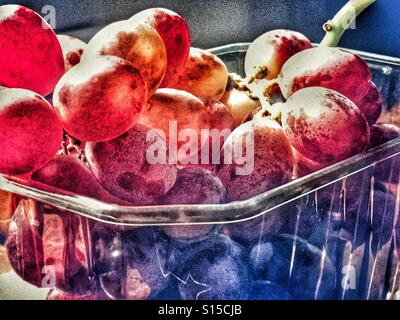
(342, 21)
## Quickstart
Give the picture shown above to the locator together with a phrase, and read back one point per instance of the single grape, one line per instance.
(267, 54)
(108, 259)
(204, 189)
(7, 208)
(29, 131)
(145, 252)
(371, 104)
(175, 33)
(221, 126)
(271, 111)
(30, 54)
(49, 248)
(240, 105)
(331, 68)
(392, 115)
(131, 265)
(183, 110)
(295, 265)
(324, 126)
(213, 270)
(72, 49)
(138, 43)
(204, 75)
(59, 295)
(270, 223)
(122, 167)
(71, 174)
(100, 99)
(386, 170)
(256, 158)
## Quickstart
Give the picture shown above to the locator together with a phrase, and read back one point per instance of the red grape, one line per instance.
(122, 168)
(187, 111)
(371, 104)
(221, 125)
(138, 43)
(30, 133)
(30, 54)
(324, 126)
(366, 210)
(387, 170)
(204, 75)
(331, 68)
(48, 244)
(4, 263)
(267, 54)
(272, 223)
(240, 105)
(270, 151)
(4, 226)
(100, 99)
(72, 49)
(71, 174)
(272, 111)
(175, 33)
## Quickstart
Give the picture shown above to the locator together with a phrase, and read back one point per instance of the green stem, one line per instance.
(336, 27)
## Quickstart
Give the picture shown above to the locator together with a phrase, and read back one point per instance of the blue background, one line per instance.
(219, 22)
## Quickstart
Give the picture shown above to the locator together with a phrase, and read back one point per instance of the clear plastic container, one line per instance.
(331, 235)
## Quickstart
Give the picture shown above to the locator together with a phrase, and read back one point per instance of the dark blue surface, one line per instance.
(219, 22)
